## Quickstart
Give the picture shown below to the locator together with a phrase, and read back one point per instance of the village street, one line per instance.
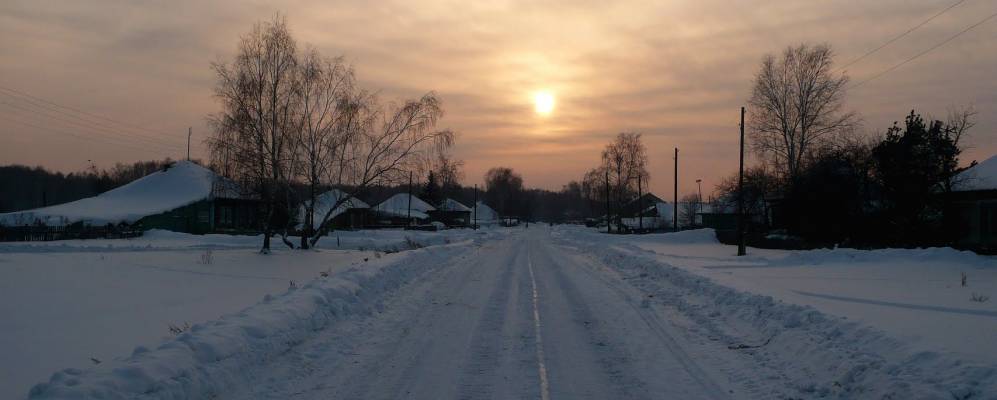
(521, 318)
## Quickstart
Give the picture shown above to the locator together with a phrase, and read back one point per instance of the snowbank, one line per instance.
(694, 236)
(182, 184)
(824, 355)
(207, 359)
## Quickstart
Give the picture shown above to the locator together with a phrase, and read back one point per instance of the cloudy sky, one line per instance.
(676, 71)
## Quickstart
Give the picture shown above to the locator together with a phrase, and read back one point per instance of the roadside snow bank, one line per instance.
(208, 358)
(815, 355)
(385, 240)
(695, 236)
(844, 255)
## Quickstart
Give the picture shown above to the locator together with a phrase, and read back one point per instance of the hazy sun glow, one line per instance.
(543, 102)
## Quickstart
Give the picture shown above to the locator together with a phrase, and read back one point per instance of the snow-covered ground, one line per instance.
(66, 302)
(562, 312)
(842, 323)
(915, 295)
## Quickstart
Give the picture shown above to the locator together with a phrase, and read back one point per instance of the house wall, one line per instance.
(451, 218)
(208, 216)
(236, 216)
(193, 218)
(977, 223)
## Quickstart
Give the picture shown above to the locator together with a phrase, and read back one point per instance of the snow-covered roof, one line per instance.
(326, 200)
(398, 206)
(181, 184)
(453, 205)
(981, 177)
(484, 213)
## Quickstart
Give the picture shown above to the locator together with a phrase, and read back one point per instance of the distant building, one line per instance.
(352, 213)
(401, 209)
(452, 213)
(974, 202)
(648, 212)
(482, 214)
(183, 197)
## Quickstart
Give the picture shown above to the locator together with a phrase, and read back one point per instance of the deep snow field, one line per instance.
(64, 303)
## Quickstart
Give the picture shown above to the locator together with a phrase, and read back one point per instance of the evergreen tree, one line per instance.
(914, 167)
(432, 192)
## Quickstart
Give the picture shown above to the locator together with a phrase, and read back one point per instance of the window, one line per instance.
(988, 220)
(225, 216)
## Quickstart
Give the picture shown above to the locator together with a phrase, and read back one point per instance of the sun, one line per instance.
(543, 102)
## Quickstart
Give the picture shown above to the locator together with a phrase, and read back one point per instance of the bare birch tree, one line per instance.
(257, 91)
(797, 106)
(626, 160)
(299, 118)
(387, 142)
(323, 131)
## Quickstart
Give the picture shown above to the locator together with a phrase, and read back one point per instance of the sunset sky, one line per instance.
(676, 71)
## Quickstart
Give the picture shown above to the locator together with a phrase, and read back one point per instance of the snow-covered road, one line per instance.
(519, 319)
(539, 313)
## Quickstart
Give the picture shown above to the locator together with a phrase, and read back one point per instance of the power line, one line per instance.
(43, 104)
(99, 130)
(57, 131)
(918, 55)
(76, 110)
(898, 37)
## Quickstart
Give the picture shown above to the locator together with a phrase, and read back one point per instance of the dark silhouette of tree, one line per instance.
(626, 161)
(431, 191)
(914, 166)
(254, 132)
(503, 190)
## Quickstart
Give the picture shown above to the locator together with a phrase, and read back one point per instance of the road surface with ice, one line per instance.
(522, 318)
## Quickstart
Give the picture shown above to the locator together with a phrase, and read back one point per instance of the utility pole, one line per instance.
(675, 202)
(410, 197)
(640, 205)
(189, 131)
(475, 207)
(699, 182)
(740, 195)
(609, 228)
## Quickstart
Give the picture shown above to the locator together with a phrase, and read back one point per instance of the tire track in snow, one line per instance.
(541, 367)
(486, 341)
(659, 329)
